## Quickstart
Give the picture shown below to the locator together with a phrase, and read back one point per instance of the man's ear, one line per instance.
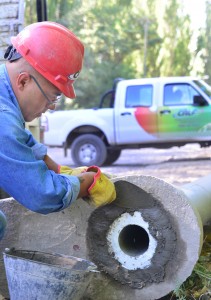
(23, 80)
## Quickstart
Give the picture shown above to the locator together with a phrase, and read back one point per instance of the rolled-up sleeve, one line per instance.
(73, 188)
(25, 176)
(39, 151)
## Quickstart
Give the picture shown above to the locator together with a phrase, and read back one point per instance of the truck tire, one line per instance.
(112, 156)
(88, 150)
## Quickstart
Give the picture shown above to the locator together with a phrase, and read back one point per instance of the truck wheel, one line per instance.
(88, 150)
(112, 156)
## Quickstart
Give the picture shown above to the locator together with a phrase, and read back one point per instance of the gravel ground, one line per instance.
(175, 165)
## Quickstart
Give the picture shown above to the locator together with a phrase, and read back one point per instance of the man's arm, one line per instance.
(86, 179)
(51, 164)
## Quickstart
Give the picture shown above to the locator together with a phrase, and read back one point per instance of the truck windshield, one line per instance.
(204, 86)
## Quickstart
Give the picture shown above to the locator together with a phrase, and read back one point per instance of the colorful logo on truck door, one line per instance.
(146, 119)
(185, 113)
(169, 121)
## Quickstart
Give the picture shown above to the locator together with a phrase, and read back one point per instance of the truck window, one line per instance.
(204, 86)
(107, 99)
(179, 94)
(139, 95)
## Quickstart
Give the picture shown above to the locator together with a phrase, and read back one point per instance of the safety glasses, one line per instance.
(50, 102)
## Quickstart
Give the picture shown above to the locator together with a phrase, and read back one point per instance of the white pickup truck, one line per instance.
(136, 113)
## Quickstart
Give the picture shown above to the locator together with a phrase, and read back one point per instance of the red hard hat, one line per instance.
(54, 51)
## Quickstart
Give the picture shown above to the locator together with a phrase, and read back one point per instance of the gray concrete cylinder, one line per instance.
(181, 248)
(199, 195)
(167, 219)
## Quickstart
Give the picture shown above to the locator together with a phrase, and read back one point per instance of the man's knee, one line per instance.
(3, 224)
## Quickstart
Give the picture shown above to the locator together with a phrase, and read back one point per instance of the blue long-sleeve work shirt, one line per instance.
(24, 175)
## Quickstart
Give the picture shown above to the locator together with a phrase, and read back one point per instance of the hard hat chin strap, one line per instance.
(11, 54)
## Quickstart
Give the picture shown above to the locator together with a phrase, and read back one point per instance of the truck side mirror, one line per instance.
(198, 100)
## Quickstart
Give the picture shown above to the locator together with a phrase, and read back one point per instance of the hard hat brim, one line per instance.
(69, 91)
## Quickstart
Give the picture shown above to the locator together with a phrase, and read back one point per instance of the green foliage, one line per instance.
(207, 58)
(96, 78)
(177, 34)
(196, 285)
(30, 12)
(129, 39)
(199, 282)
(152, 42)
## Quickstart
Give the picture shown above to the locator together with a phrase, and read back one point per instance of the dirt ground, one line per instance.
(175, 165)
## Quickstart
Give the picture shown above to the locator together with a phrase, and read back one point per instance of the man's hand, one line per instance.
(102, 190)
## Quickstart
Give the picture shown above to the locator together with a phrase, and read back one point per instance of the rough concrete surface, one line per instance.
(176, 165)
(159, 225)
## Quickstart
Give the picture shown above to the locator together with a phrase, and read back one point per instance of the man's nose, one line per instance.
(52, 106)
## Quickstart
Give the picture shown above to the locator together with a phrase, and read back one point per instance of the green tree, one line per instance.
(176, 55)
(202, 58)
(58, 10)
(110, 36)
(208, 42)
(113, 34)
(123, 38)
(151, 41)
(30, 12)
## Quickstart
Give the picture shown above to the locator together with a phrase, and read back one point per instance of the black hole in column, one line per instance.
(133, 240)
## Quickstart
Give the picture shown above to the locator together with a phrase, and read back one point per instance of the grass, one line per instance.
(198, 285)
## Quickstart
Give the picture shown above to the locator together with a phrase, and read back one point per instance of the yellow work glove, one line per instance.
(102, 191)
(69, 171)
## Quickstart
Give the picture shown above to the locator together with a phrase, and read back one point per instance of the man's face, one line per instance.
(37, 95)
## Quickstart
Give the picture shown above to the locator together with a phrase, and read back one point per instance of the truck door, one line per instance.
(136, 118)
(185, 113)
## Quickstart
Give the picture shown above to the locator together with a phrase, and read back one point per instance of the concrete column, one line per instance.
(145, 244)
(150, 239)
(199, 195)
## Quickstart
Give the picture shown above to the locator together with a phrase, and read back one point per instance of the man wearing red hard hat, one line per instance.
(43, 62)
